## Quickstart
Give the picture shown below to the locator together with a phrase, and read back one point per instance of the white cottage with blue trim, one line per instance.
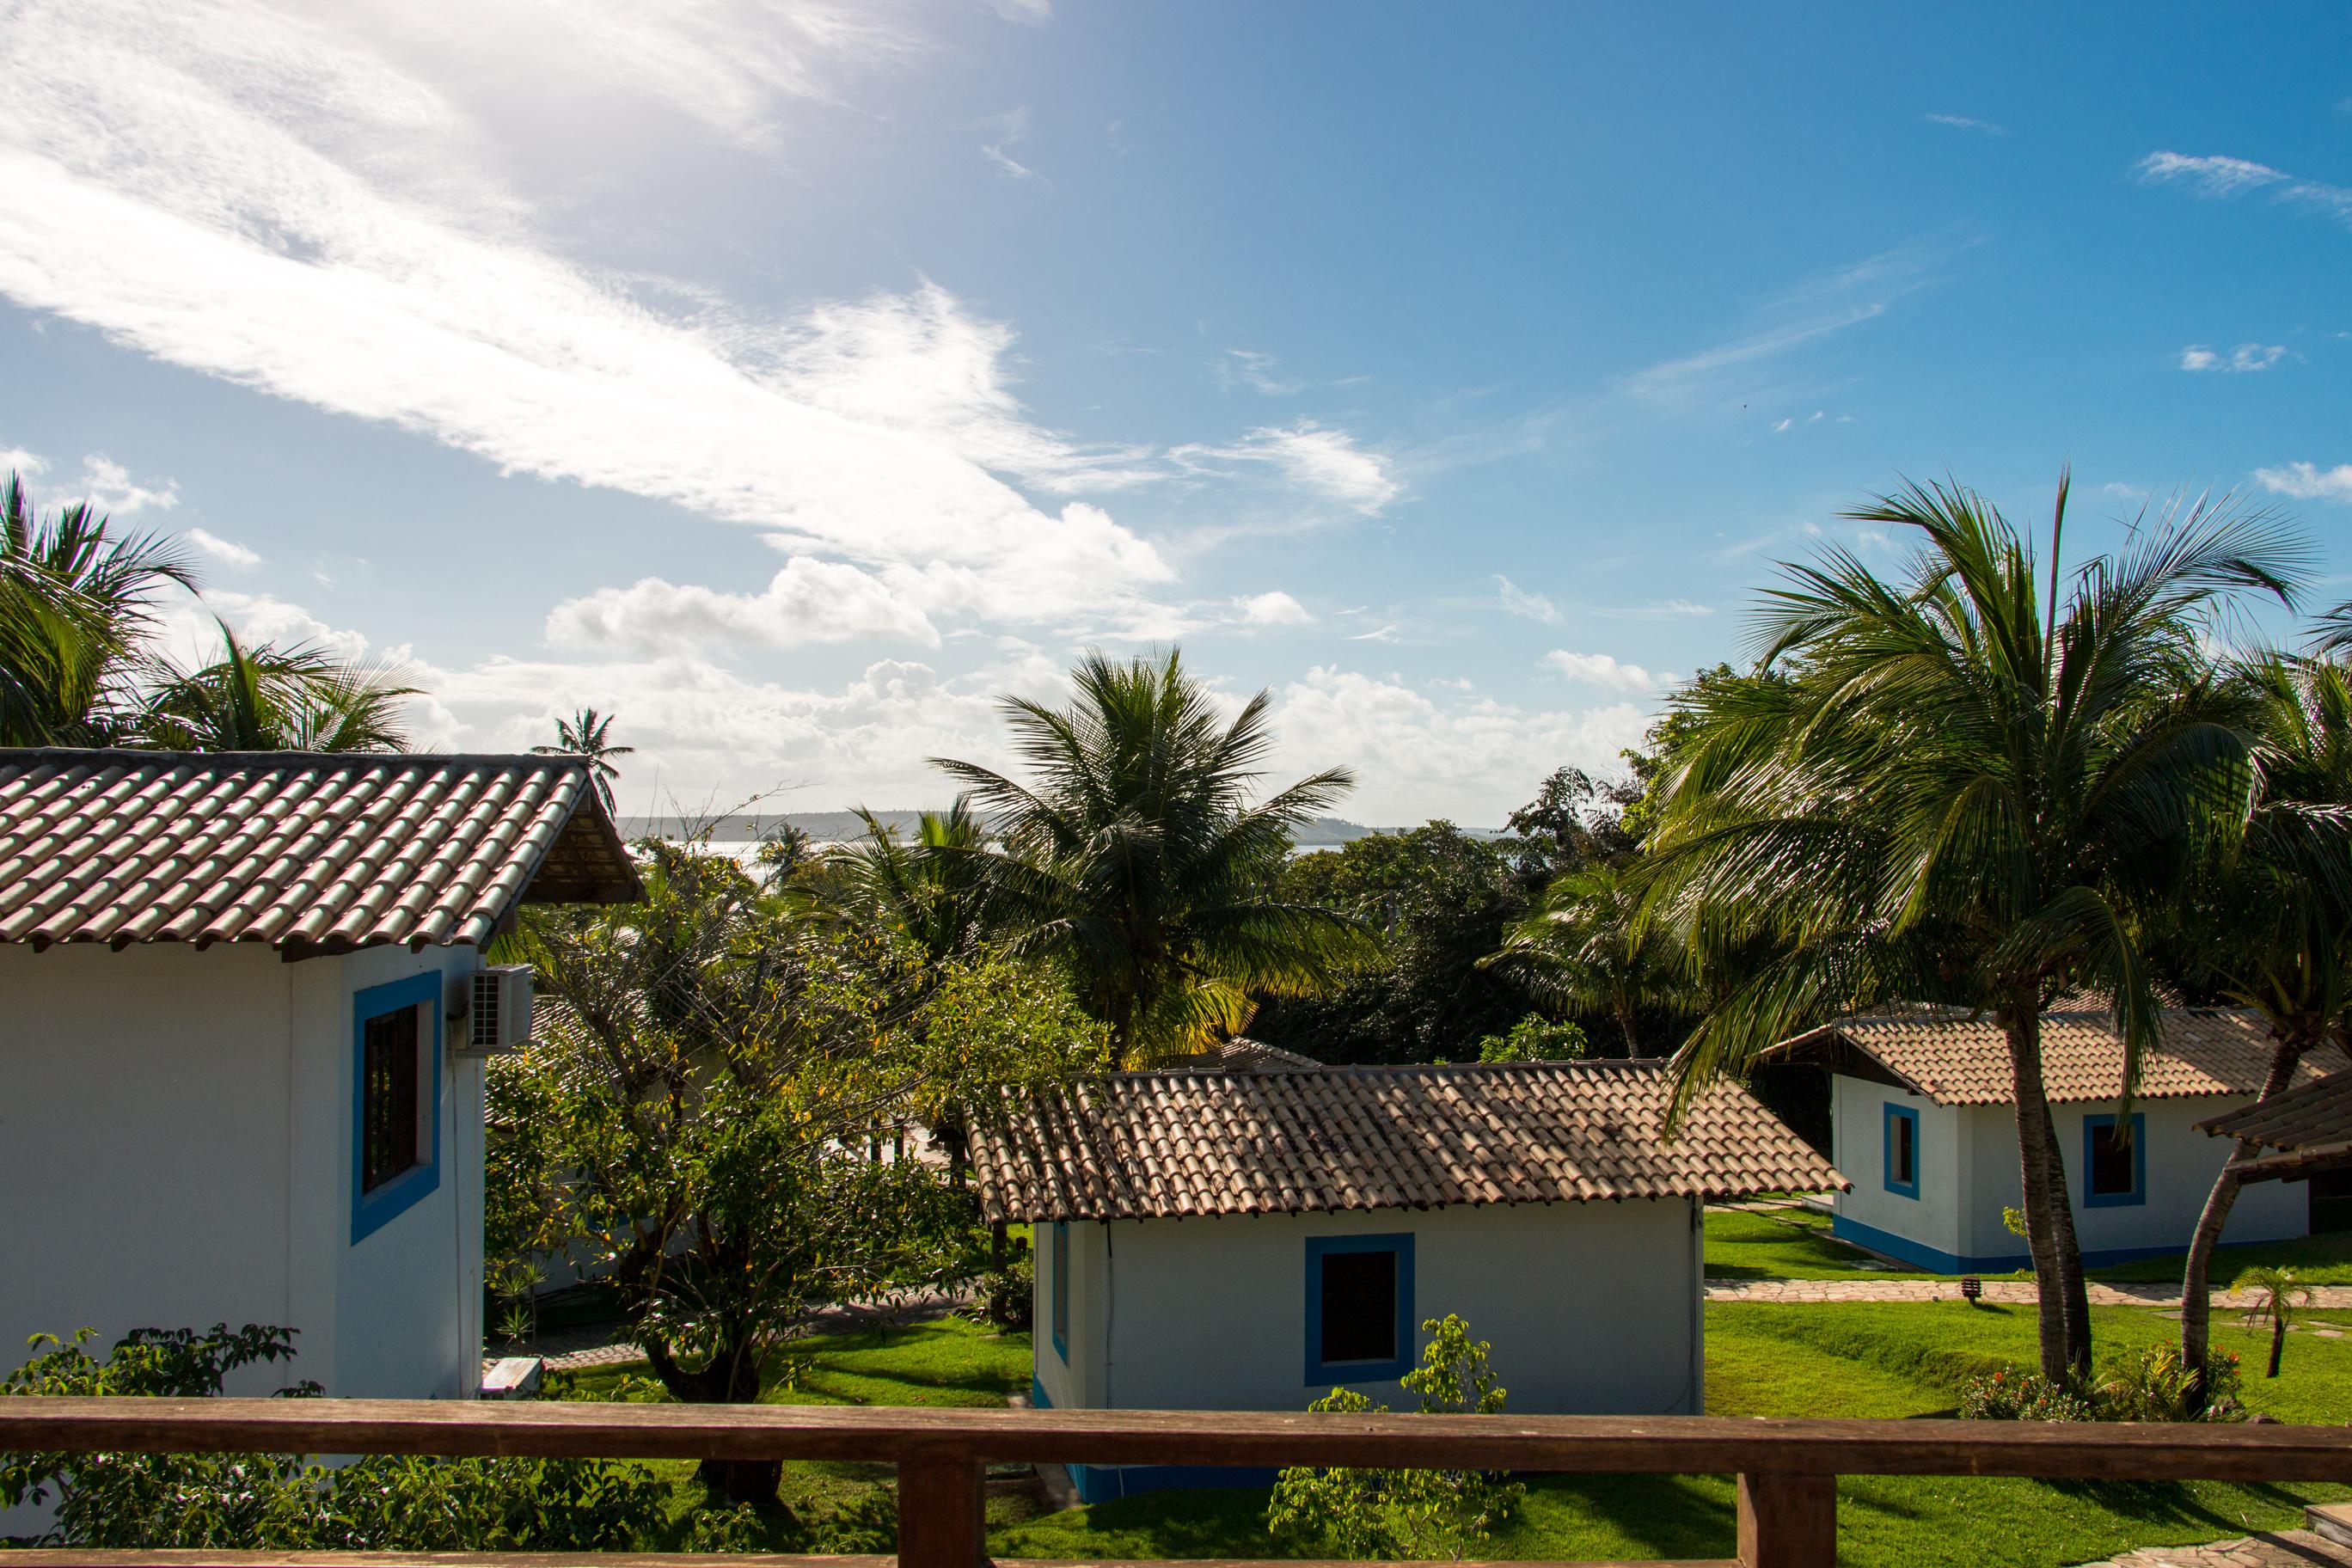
(1217, 1240)
(247, 1014)
(1923, 1115)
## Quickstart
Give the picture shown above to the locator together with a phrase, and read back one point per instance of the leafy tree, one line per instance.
(269, 698)
(1574, 822)
(2270, 927)
(1535, 1038)
(1418, 1515)
(701, 1089)
(143, 1501)
(1136, 858)
(1949, 797)
(1437, 900)
(1585, 948)
(76, 608)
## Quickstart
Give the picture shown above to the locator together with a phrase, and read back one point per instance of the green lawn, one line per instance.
(2316, 1260)
(1789, 1244)
(1871, 1359)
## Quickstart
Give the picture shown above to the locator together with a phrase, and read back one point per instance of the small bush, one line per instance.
(247, 1500)
(2150, 1384)
(1535, 1038)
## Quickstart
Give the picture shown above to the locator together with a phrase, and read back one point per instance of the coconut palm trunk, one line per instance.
(2065, 1334)
(2196, 1277)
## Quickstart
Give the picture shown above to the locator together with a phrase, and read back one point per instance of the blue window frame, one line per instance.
(1061, 1265)
(395, 1099)
(2114, 1174)
(1902, 1150)
(1360, 1321)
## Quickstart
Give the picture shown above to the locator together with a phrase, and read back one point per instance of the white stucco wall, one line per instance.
(1968, 1174)
(175, 1145)
(1590, 1308)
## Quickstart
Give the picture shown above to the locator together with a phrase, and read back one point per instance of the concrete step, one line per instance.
(2330, 1521)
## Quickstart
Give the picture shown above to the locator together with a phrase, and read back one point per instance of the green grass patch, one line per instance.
(1865, 1359)
(1790, 1243)
(2316, 1259)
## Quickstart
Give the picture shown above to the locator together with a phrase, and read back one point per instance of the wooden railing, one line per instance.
(1788, 1470)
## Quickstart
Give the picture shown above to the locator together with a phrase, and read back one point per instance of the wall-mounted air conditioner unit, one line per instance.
(497, 1019)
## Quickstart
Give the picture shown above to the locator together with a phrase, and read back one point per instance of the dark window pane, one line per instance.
(1360, 1305)
(388, 1097)
(1899, 1129)
(2111, 1163)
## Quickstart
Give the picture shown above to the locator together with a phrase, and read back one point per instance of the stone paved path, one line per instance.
(569, 1350)
(2006, 1292)
(2287, 1549)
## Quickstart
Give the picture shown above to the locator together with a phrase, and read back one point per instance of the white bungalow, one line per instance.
(1249, 1241)
(1921, 1111)
(242, 1049)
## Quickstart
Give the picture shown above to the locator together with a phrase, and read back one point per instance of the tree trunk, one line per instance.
(2065, 1310)
(1625, 1016)
(2278, 1341)
(1000, 1296)
(731, 1377)
(2196, 1279)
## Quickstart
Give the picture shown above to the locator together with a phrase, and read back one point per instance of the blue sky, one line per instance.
(794, 378)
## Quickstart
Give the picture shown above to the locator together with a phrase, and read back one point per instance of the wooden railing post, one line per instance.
(942, 1514)
(1787, 1521)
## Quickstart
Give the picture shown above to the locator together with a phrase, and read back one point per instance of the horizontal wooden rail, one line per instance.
(1787, 1468)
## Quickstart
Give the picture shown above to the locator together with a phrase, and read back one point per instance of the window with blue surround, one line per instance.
(1902, 1151)
(395, 1099)
(2115, 1168)
(1360, 1321)
(1061, 1265)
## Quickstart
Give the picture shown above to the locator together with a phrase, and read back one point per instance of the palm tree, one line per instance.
(932, 892)
(1583, 947)
(586, 734)
(1136, 858)
(2279, 1299)
(76, 606)
(267, 699)
(2271, 928)
(1955, 797)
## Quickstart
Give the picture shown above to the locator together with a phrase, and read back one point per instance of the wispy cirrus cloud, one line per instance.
(1966, 122)
(2220, 178)
(2243, 357)
(1311, 457)
(1518, 601)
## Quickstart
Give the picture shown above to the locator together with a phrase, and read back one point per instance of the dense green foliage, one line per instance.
(248, 1500)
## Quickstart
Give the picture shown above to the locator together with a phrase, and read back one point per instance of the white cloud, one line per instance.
(1274, 608)
(1029, 12)
(1603, 670)
(2306, 481)
(23, 464)
(109, 488)
(1311, 456)
(1011, 128)
(2223, 178)
(1469, 757)
(222, 550)
(205, 184)
(1378, 634)
(1783, 424)
(808, 600)
(1964, 122)
(1518, 601)
(2208, 176)
(2244, 357)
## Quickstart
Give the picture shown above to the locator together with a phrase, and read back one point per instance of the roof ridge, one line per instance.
(288, 759)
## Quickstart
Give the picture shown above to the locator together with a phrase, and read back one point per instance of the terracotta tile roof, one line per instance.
(309, 853)
(1170, 1145)
(1242, 1055)
(2312, 1115)
(1954, 1059)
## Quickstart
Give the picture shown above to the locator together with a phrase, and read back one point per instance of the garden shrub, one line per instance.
(2150, 1384)
(249, 1500)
